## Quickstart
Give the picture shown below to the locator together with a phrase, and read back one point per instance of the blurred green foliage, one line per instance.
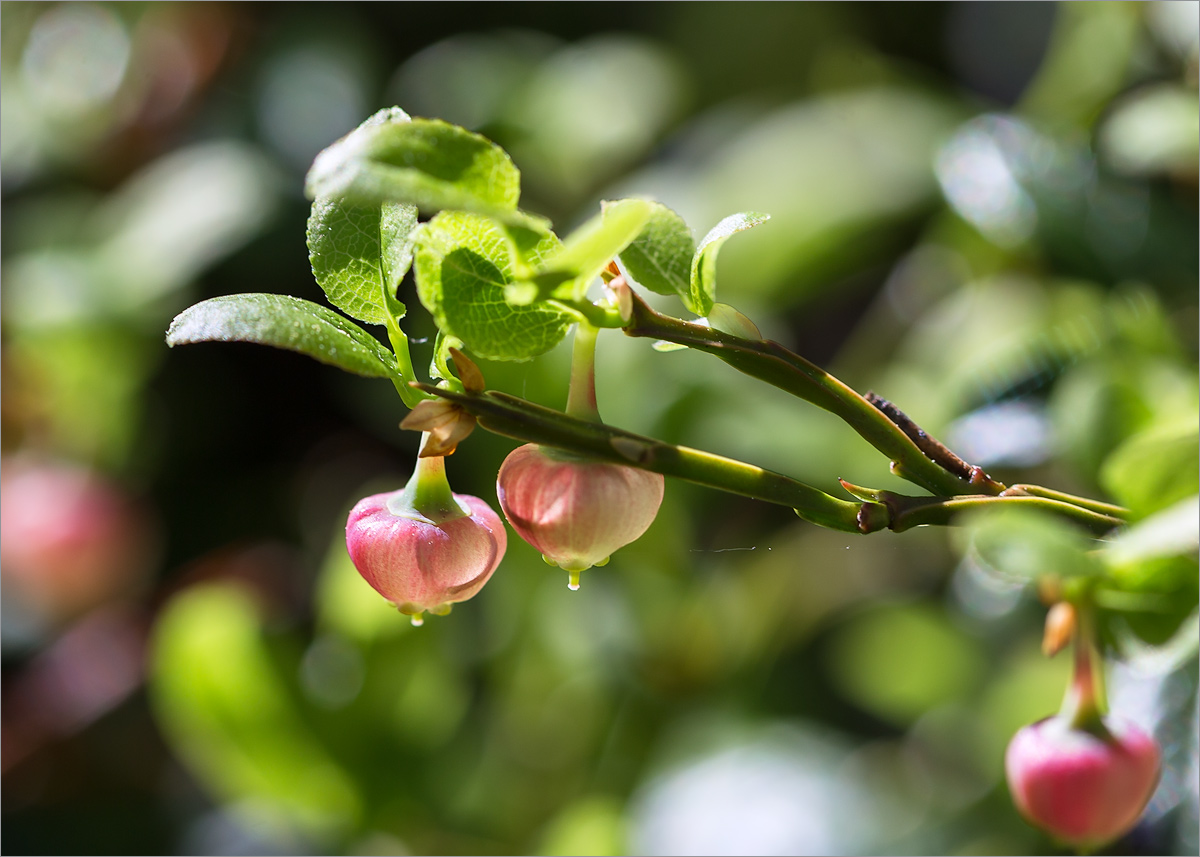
(984, 212)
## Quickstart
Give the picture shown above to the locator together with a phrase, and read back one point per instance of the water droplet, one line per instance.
(573, 585)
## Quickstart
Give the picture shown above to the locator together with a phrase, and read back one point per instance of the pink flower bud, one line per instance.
(1080, 788)
(419, 565)
(69, 539)
(575, 512)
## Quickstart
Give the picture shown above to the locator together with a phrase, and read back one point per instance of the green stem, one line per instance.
(1084, 502)
(410, 395)
(427, 496)
(581, 396)
(908, 512)
(394, 310)
(771, 362)
(593, 314)
(513, 417)
(1084, 702)
(516, 418)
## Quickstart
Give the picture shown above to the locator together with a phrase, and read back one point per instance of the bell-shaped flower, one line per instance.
(575, 511)
(1083, 787)
(423, 548)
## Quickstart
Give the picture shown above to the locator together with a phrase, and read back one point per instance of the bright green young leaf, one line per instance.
(1155, 468)
(439, 363)
(726, 319)
(423, 162)
(284, 322)
(704, 264)
(225, 709)
(660, 258)
(463, 264)
(586, 252)
(358, 251)
(1025, 544)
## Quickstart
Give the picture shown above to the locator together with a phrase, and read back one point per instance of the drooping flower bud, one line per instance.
(422, 547)
(576, 512)
(1083, 788)
(419, 565)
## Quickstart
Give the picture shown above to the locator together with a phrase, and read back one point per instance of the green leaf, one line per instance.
(225, 709)
(357, 252)
(423, 162)
(1155, 468)
(1174, 531)
(584, 253)
(1166, 653)
(704, 264)
(463, 264)
(660, 258)
(284, 322)
(1023, 544)
(726, 319)
(439, 363)
(1154, 597)
(1152, 577)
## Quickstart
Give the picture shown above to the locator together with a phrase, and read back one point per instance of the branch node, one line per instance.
(932, 448)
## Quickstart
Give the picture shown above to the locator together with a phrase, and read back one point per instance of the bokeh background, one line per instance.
(986, 212)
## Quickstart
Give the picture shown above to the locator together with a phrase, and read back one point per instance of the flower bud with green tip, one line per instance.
(576, 511)
(424, 548)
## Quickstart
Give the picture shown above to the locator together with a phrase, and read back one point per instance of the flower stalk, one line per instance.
(1084, 702)
(427, 495)
(581, 395)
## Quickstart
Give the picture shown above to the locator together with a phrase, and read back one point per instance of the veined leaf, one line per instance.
(584, 254)
(660, 257)
(704, 263)
(284, 322)
(464, 262)
(357, 251)
(423, 162)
